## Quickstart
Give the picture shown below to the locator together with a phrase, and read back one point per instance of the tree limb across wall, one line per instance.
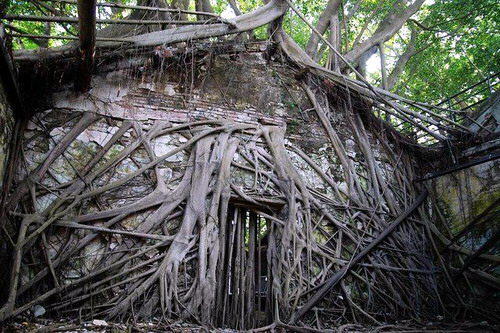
(391, 24)
(337, 277)
(321, 26)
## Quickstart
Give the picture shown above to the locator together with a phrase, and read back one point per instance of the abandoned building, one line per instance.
(194, 174)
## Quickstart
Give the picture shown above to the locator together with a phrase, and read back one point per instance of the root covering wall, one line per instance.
(157, 194)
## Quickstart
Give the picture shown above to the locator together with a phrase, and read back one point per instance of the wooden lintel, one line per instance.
(87, 35)
(74, 20)
(8, 78)
(490, 157)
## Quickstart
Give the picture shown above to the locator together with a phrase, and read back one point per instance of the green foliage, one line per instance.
(460, 44)
(458, 40)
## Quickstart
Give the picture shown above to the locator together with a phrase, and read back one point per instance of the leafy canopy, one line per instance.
(457, 42)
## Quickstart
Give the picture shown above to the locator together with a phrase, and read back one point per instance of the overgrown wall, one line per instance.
(159, 154)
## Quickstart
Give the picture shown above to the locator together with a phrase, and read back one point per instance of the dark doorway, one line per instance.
(245, 281)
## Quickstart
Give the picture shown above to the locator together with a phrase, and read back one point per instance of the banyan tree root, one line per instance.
(184, 233)
(123, 229)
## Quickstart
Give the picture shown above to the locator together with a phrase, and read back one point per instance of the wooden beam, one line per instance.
(86, 25)
(145, 8)
(468, 88)
(8, 78)
(99, 39)
(490, 157)
(74, 20)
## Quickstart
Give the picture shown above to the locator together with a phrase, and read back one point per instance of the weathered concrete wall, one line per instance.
(467, 193)
(243, 88)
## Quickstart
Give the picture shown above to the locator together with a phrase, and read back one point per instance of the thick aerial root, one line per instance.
(194, 246)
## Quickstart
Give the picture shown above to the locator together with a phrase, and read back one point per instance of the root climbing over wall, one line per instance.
(183, 258)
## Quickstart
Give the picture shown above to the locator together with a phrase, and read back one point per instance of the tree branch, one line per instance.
(259, 17)
(386, 29)
(398, 69)
(321, 26)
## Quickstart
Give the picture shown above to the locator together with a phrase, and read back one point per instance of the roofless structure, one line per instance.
(166, 166)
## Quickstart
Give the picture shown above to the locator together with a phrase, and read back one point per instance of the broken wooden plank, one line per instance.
(87, 30)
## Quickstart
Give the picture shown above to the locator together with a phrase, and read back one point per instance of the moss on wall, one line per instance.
(467, 193)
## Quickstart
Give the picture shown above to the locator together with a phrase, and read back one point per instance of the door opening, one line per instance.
(244, 292)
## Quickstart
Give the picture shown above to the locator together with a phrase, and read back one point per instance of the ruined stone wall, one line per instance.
(243, 87)
(98, 195)
(465, 194)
